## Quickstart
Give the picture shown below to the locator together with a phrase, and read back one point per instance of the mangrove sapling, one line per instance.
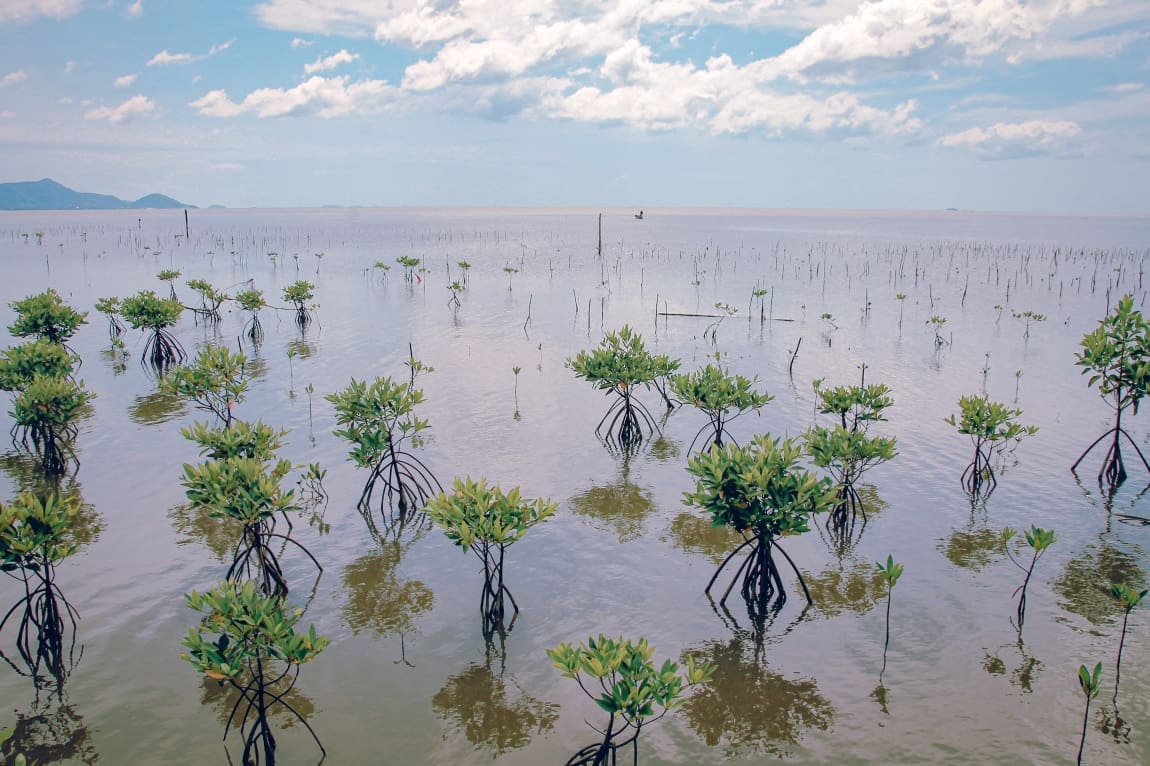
(890, 572)
(1039, 540)
(515, 371)
(146, 311)
(455, 288)
(1090, 684)
(252, 301)
(36, 534)
(465, 267)
(936, 323)
(379, 420)
(248, 490)
(409, 265)
(616, 367)
(992, 428)
(761, 492)
(720, 396)
(44, 420)
(248, 640)
(1117, 356)
(1128, 598)
(847, 450)
(631, 688)
(45, 315)
(20, 364)
(483, 519)
(110, 307)
(216, 381)
(210, 300)
(1028, 317)
(901, 298)
(170, 276)
(510, 271)
(299, 293)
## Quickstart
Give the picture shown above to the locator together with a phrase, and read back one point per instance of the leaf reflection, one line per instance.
(692, 533)
(1084, 586)
(620, 507)
(156, 407)
(379, 600)
(747, 708)
(851, 585)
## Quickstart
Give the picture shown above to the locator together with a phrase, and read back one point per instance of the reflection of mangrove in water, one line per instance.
(973, 549)
(50, 732)
(693, 533)
(853, 585)
(748, 709)
(224, 698)
(1024, 668)
(620, 507)
(841, 532)
(1083, 587)
(195, 524)
(27, 476)
(491, 708)
(157, 407)
(379, 600)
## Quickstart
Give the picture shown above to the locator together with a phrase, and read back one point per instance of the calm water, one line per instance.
(409, 678)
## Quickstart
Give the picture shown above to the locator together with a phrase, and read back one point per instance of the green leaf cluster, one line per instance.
(475, 514)
(631, 685)
(147, 311)
(251, 440)
(621, 361)
(210, 295)
(48, 402)
(717, 392)
(299, 293)
(36, 530)
(847, 454)
(20, 364)
(109, 306)
(45, 315)
(1037, 538)
(989, 422)
(855, 406)
(250, 300)
(242, 625)
(216, 381)
(241, 488)
(1126, 596)
(759, 487)
(376, 416)
(168, 275)
(890, 571)
(1090, 682)
(1116, 354)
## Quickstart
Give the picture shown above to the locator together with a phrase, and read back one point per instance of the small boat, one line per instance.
(639, 215)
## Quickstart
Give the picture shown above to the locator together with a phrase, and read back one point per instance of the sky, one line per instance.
(999, 105)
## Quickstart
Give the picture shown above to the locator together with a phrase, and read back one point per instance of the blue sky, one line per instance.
(1035, 105)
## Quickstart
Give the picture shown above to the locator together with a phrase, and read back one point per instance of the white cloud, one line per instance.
(321, 96)
(27, 10)
(136, 8)
(134, 107)
(124, 81)
(1020, 139)
(299, 42)
(330, 62)
(13, 78)
(69, 67)
(164, 58)
(1124, 87)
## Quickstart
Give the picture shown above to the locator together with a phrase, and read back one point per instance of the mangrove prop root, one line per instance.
(1113, 469)
(761, 581)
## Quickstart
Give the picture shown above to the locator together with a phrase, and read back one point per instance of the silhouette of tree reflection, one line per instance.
(853, 585)
(51, 731)
(842, 538)
(27, 476)
(1024, 675)
(693, 533)
(224, 697)
(1084, 585)
(195, 524)
(977, 545)
(620, 507)
(490, 707)
(156, 407)
(746, 708)
(379, 600)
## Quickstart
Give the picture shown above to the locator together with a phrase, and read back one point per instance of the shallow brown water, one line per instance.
(409, 677)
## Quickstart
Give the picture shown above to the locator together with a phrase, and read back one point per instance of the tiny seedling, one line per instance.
(890, 572)
(1089, 683)
(1038, 540)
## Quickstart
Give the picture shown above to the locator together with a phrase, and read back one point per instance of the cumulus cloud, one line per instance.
(1005, 140)
(27, 10)
(124, 81)
(326, 64)
(1124, 87)
(321, 96)
(134, 107)
(299, 42)
(13, 78)
(136, 8)
(165, 58)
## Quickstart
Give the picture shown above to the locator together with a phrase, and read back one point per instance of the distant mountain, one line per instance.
(46, 194)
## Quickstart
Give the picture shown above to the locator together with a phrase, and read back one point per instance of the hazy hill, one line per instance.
(46, 194)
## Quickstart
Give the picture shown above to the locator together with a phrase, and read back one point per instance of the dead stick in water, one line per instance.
(794, 355)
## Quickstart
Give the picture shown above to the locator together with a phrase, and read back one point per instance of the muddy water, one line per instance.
(409, 677)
